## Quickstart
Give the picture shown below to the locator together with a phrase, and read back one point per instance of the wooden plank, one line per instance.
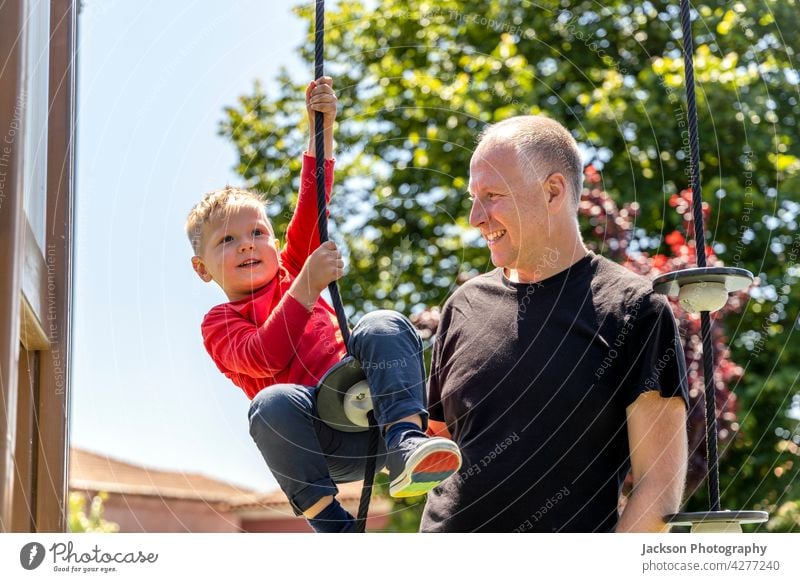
(53, 411)
(31, 334)
(34, 275)
(23, 507)
(11, 211)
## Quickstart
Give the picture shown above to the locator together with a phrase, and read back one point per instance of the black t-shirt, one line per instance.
(533, 380)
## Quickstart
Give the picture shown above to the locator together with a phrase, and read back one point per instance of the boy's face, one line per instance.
(238, 253)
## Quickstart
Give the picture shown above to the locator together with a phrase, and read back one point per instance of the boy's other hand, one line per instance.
(322, 267)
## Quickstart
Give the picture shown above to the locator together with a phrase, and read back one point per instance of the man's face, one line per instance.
(239, 253)
(510, 211)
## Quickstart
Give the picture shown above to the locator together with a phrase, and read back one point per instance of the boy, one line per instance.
(276, 338)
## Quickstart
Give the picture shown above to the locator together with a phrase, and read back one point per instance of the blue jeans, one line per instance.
(305, 455)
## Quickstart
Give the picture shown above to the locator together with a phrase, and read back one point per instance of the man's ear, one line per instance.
(557, 192)
(200, 268)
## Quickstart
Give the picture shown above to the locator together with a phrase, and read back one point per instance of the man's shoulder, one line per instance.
(476, 285)
(612, 272)
(616, 283)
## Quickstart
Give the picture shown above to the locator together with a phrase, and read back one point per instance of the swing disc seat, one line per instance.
(702, 288)
(343, 397)
(716, 521)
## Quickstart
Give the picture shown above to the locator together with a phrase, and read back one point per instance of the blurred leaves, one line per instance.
(91, 520)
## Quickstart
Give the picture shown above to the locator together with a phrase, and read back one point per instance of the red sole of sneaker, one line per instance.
(438, 463)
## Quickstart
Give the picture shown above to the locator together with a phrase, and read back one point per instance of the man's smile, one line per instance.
(494, 236)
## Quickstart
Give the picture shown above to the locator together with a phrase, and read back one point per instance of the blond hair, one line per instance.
(216, 205)
(543, 145)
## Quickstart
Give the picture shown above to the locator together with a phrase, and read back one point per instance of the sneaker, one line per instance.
(419, 464)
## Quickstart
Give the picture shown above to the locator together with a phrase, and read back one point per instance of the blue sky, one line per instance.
(153, 80)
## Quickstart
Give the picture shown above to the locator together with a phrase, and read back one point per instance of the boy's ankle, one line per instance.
(400, 431)
(333, 519)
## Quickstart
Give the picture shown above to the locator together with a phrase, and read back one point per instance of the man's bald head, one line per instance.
(543, 147)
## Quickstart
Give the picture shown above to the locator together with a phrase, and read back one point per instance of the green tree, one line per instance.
(81, 520)
(418, 80)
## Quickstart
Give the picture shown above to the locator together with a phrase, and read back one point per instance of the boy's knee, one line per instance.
(385, 322)
(276, 406)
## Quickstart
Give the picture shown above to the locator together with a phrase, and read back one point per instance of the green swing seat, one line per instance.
(343, 397)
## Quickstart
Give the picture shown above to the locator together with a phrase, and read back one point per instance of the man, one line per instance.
(559, 371)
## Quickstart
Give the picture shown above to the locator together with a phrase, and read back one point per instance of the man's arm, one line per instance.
(658, 450)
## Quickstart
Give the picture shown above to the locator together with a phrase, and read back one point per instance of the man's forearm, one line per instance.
(658, 449)
(646, 509)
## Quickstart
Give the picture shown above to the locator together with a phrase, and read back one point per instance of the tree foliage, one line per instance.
(418, 80)
(81, 519)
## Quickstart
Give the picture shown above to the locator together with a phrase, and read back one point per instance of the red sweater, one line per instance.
(271, 338)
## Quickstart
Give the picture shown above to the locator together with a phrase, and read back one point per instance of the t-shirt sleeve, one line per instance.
(654, 353)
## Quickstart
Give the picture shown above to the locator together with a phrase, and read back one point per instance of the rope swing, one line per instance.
(703, 290)
(343, 392)
(322, 218)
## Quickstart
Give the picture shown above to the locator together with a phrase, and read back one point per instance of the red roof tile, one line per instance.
(99, 472)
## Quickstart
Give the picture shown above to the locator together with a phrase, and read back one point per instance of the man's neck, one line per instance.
(551, 261)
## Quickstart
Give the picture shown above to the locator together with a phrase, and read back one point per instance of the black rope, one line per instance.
(712, 456)
(319, 139)
(712, 459)
(333, 288)
(369, 474)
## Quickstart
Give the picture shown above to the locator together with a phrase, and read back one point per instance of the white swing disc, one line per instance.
(357, 403)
